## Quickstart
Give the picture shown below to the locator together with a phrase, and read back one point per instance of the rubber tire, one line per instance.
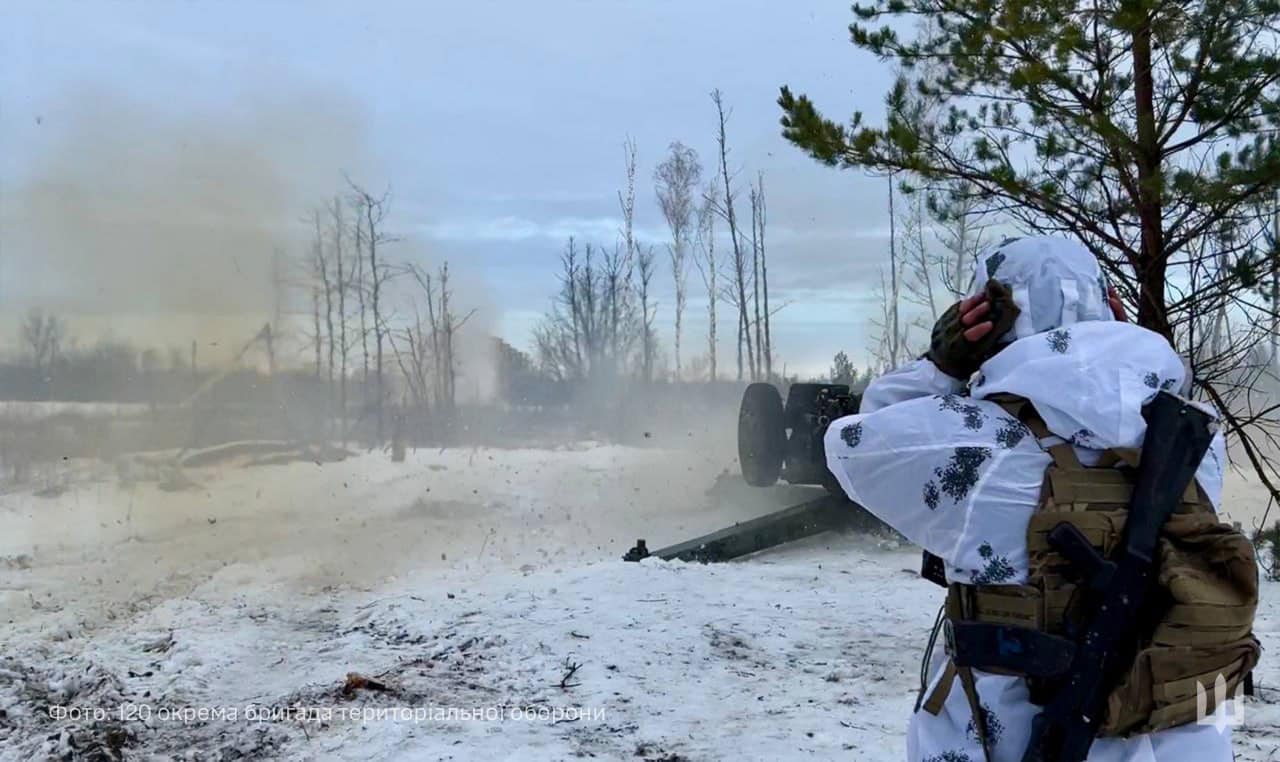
(762, 435)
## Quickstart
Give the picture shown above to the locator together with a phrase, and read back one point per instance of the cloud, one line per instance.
(517, 228)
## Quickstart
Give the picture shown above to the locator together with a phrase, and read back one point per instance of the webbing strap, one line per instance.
(1019, 605)
(1176, 712)
(1064, 457)
(1188, 624)
(1021, 408)
(943, 689)
(1063, 453)
(960, 607)
(1089, 485)
(975, 706)
(1177, 690)
(925, 661)
(1209, 615)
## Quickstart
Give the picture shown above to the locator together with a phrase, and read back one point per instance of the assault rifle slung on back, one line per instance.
(1178, 436)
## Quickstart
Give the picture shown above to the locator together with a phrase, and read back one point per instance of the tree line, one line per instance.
(600, 326)
(359, 326)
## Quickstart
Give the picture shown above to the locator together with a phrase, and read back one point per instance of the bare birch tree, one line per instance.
(446, 329)
(374, 209)
(619, 266)
(317, 334)
(759, 218)
(676, 180)
(707, 262)
(321, 269)
(892, 327)
(338, 229)
(758, 359)
(645, 262)
(359, 285)
(891, 337)
(413, 350)
(921, 266)
(428, 360)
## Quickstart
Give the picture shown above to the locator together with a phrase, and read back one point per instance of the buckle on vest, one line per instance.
(948, 638)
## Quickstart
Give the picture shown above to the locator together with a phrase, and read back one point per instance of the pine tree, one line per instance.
(1149, 131)
(1140, 127)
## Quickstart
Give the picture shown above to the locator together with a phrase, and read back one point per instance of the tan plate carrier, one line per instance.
(1202, 627)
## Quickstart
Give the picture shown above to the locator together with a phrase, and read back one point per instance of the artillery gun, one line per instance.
(780, 442)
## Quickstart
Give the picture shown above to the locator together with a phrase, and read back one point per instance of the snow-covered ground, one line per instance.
(481, 593)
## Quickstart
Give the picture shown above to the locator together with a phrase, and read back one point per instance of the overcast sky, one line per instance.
(154, 154)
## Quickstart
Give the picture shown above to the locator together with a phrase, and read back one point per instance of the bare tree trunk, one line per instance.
(446, 320)
(755, 281)
(619, 271)
(709, 278)
(675, 180)
(278, 287)
(960, 236)
(645, 261)
(360, 296)
(680, 301)
(322, 271)
(918, 267)
(739, 260)
(595, 336)
(764, 282)
(894, 334)
(319, 335)
(375, 211)
(926, 272)
(450, 369)
(267, 336)
(575, 309)
(437, 378)
(613, 276)
(425, 376)
(960, 262)
(448, 326)
(377, 323)
(443, 345)
(339, 227)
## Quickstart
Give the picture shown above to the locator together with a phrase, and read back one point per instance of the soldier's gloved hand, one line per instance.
(966, 334)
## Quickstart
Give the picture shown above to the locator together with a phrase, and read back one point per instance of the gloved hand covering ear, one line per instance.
(967, 334)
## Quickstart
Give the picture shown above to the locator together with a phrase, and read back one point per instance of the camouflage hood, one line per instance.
(1088, 380)
(1055, 283)
(1086, 372)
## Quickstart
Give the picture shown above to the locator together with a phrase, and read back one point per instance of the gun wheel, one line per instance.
(762, 435)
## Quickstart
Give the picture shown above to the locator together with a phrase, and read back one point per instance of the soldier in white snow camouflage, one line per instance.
(935, 454)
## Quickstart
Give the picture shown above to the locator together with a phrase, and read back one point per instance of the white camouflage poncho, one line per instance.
(960, 477)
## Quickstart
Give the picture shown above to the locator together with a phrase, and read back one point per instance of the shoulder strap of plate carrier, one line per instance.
(1194, 631)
